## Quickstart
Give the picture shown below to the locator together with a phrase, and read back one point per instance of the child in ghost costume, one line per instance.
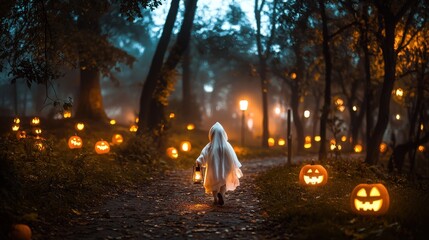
(222, 165)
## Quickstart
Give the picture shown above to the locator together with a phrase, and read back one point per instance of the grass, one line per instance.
(302, 212)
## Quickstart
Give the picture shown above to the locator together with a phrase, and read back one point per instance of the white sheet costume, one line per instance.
(221, 162)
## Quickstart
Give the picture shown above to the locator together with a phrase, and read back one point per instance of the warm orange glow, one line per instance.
(317, 138)
(421, 127)
(37, 131)
(339, 102)
(306, 113)
(117, 139)
(67, 114)
(79, 126)
(172, 152)
(133, 128)
(421, 148)
(185, 146)
(343, 138)
(244, 104)
(281, 142)
(271, 142)
(137, 120)
(355, 109)
(15, 127)
(313, 175)
(38, 145)
(293, 75)
(190, 127)
(35, 121)
(102, 147)
(112, 122)
(21, 134)
(399, 92)
(16, 120)
(172, 115)
(383, 147)
(358, 148)
(341, 108)
(307, 142)
(75, 142)
(398, 117)
(370, 199)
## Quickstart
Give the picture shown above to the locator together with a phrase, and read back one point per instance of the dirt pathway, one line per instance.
(175, 208)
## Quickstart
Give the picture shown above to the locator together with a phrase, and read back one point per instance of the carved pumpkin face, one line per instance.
(172, 152)
(21, 134)
(15, 127)
(134, 128)
(313, 175)
(35, 121)
(75, 142)
(37, 131)
(117, 139)
(102, 147)
(370, 199)
(20, 231)
(16, 120)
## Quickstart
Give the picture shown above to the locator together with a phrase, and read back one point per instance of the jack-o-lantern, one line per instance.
(102, 147)
(370, 199)
(35, 121)
(21, 135)
(38, 144)
(271, 142)
(16, 120)
(20, 231)
(67, 114)
(358, 148)
(313, 175)
(134, 128)
(75, 142)
(185, 146)
(37, 131)
(172, 152)
(15, 127)
(79, 126)
(117, 139)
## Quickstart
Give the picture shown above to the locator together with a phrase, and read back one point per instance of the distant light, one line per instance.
(277, 110)
(339, 102)
(358, 148)
(67, 114)
(383, 147)
(355, 109)
(343, 138)
(243, 105)
(137, 120)
(421, 127)
(306, 113)
(208, 88)
(112, 122)
(293, 75)
(399, 92)
(190, 126)
(421, 148)
(281, 142)
(172, 115)
(185, 146)
(271, 142)
(317, 138)
(133, 128)
(341, 108)
(398, 117)
(79, 126)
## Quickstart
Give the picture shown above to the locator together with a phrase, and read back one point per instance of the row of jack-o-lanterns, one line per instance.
(365, 199)
(100, 147)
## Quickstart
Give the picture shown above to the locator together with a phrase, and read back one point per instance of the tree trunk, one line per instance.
(294, 102)
(90, 101)
(327, 96)
(187, 110)
(155, 69)
(389, 57)
(167, 77)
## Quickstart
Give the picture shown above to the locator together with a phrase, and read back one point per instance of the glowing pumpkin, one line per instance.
(370, 199)
(16, 120)
(35, 121)
(37, 131)
(313, 175)
(15, 127)
(38, 144)
(79, 126)
(20, 231)
(383, 147)
(102, 147)
(117, 139)
(75, 142)
(281, 142)
(67, 114)
(307, 142)
(185, 146)
(271, 142)
(172, 152)
(112, 122)
(358, 148)
(133, 128)
(21, 134)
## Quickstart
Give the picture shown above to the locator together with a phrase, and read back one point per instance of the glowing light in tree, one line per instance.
(343, 138)
(399, 92)
(137, 120)
(306, 113)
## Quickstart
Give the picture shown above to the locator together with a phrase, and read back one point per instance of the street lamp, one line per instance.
(243, 107)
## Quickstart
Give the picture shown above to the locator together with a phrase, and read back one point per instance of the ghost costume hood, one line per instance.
(220, 160)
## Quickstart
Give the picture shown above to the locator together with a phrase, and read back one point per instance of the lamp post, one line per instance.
(243, 107)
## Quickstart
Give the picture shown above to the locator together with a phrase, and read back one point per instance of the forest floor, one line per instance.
(172, 207)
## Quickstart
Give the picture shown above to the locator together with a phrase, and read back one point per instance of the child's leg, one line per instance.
(221, 195)
(214, 197)
(223, 190)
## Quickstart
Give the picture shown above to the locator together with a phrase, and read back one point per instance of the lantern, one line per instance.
(21, 134)
(102, 147)
(38, 144)
(15, 127)
(185, 146)
(20, 231)
(117, 139)
(172, 152)
(133, 128)
(370, 199)
(313, 175)
(198, 174)
(35, 121)
(75, 142)
(79, 126)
